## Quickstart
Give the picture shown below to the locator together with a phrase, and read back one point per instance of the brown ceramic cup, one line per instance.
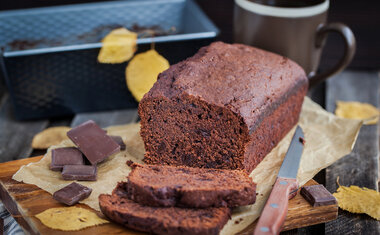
(296, 29)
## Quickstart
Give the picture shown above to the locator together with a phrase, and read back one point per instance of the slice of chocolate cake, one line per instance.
(226, 107)
(162, 220)
(167, 186)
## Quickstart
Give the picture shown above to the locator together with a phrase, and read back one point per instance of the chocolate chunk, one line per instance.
(129, 163)
(79, 172)
(119, 140)
(317, 195)
(93, 142)
(72, 193)
(65, 156)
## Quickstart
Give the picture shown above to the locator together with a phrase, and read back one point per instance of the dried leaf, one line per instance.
(69, 218)
(359, 200)
(118, 46)
(142, 72)
(50, 136)
(357, 110)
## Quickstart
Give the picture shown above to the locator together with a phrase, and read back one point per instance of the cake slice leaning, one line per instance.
(162, 220)
(168, 186)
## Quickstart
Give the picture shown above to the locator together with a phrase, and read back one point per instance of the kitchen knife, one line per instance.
(273, 215)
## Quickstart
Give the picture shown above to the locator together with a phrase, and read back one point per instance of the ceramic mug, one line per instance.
(296, 29)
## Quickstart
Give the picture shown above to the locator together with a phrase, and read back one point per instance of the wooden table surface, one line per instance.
(359, 168)
(24, 201)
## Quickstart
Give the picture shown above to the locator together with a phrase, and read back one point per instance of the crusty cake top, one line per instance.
(242, 78)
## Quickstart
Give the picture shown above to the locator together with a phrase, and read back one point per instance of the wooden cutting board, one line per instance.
(24, 201)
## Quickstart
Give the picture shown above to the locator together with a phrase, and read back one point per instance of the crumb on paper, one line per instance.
(302, 140)
(129, 163)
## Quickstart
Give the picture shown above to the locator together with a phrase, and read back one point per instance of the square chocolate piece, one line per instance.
(93, 142)
(79, 172)
(317, 195)
(72, 194)
(119, 140)
(65, 156)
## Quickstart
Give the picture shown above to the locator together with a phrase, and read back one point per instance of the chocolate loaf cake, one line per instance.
(226, 107)
(162, 220)
(167, 186)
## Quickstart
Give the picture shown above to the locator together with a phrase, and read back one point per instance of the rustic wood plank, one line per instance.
(313, 229)
(302, 214)
(361, 166)
(104, 119)
(2, 87)
(16, 136)
(25, 200)
(290, 232)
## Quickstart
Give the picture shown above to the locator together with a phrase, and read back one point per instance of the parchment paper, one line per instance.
(328, 138)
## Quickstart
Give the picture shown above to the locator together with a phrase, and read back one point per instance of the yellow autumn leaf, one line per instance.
(50, 136)
(356, 110)
(118, 46)
(359, 200)
(69, 218)
(142, 72)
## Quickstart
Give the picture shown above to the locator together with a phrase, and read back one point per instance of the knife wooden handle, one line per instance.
(273, 215)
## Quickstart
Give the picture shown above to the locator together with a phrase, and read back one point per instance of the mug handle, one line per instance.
(349, 49)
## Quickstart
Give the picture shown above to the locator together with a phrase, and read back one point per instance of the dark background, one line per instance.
(361, 16)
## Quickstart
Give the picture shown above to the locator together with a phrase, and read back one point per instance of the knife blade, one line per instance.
(290, 165)
(273, 215)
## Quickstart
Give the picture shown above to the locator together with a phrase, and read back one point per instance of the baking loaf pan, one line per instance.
(49, 55)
